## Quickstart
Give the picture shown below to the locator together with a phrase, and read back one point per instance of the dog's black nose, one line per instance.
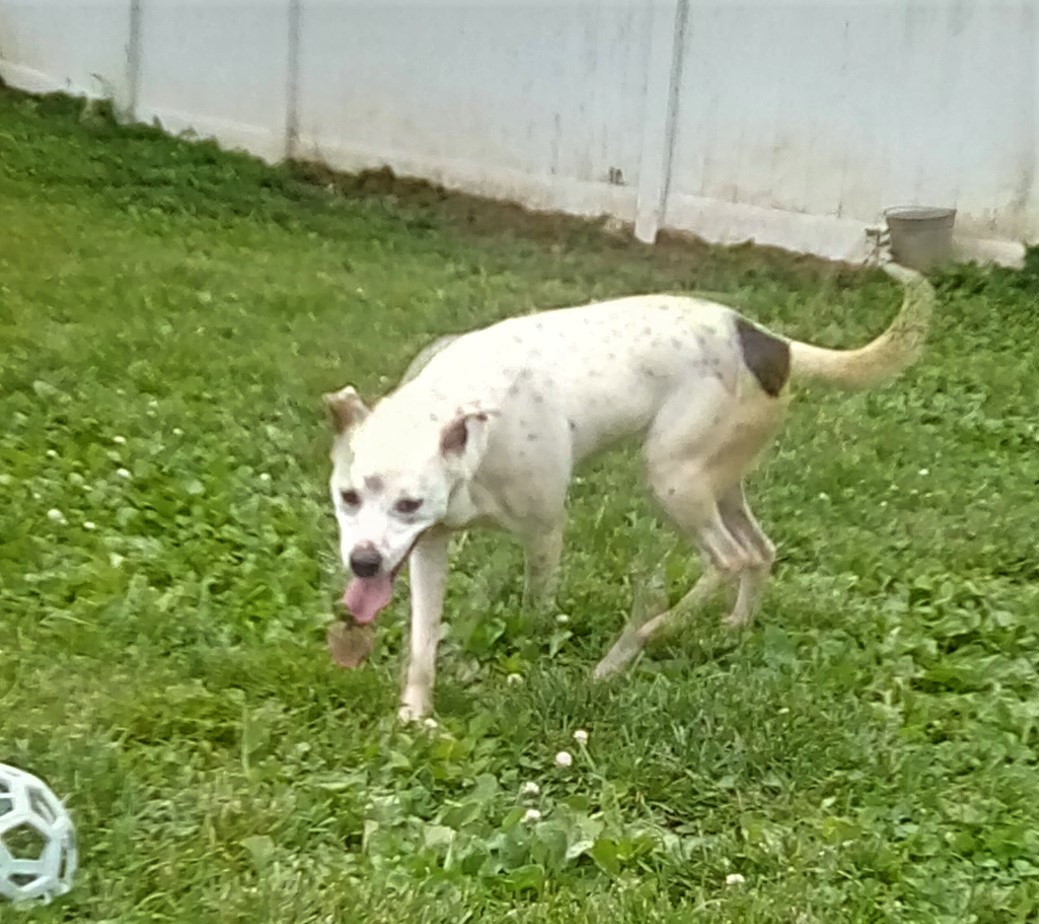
(365, 562)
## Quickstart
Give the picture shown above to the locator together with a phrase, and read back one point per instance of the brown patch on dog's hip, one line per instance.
(766, 356)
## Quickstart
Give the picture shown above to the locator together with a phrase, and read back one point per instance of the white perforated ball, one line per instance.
(37, 840)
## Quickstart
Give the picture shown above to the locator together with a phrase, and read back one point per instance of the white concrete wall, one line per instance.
(532, 101)
(840, 109)
(76, 47)
(218, 68)
(791, 122)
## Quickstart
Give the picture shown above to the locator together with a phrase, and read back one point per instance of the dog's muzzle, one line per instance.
(365, 561)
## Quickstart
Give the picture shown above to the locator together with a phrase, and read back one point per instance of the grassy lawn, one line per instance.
(169, 316)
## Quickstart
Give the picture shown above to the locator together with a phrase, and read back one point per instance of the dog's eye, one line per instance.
(351, 498)
(408, 505)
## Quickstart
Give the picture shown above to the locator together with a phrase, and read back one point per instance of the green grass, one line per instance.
(868, 752)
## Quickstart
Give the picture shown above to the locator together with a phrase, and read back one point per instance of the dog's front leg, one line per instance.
(428, 570)
(542, 552)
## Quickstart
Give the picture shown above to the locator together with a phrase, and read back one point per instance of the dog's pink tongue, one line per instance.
(365, 598)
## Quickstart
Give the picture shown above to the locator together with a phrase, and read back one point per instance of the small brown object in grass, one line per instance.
(349, 643)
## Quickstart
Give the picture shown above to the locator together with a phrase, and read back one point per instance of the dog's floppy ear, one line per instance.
(464, 439)
(345, 408)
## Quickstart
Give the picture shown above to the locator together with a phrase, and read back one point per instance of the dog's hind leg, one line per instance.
(630, 643)
(696, 458)
(680, 445)
(725, 559)
(737, 456)
(741, 523)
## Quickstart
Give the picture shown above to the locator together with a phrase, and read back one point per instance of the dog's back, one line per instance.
(601, 370)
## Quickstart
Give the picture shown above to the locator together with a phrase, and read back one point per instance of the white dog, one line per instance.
(487, 427)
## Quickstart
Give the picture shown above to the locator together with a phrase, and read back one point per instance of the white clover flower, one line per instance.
(581, 736)
(430, 723)
(564, 759)
(119, 440)
(562, 619)
(52, 454)
(513, 679)
(924, 472)
(123, 473)
(734, 879)
(265, 477)
(115, 559)
(530, 788)
(177, 431)
(531, 815)
(55, 515)
(89, 525)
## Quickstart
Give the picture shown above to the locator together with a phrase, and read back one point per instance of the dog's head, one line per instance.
(393, 475)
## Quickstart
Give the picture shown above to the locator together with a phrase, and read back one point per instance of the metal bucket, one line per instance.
(921, 237)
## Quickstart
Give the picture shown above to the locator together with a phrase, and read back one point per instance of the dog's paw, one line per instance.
(410, 713)
(736, 622)
(624, 651)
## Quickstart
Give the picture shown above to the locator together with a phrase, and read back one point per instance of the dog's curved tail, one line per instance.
(885, 357)
(425, 355)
